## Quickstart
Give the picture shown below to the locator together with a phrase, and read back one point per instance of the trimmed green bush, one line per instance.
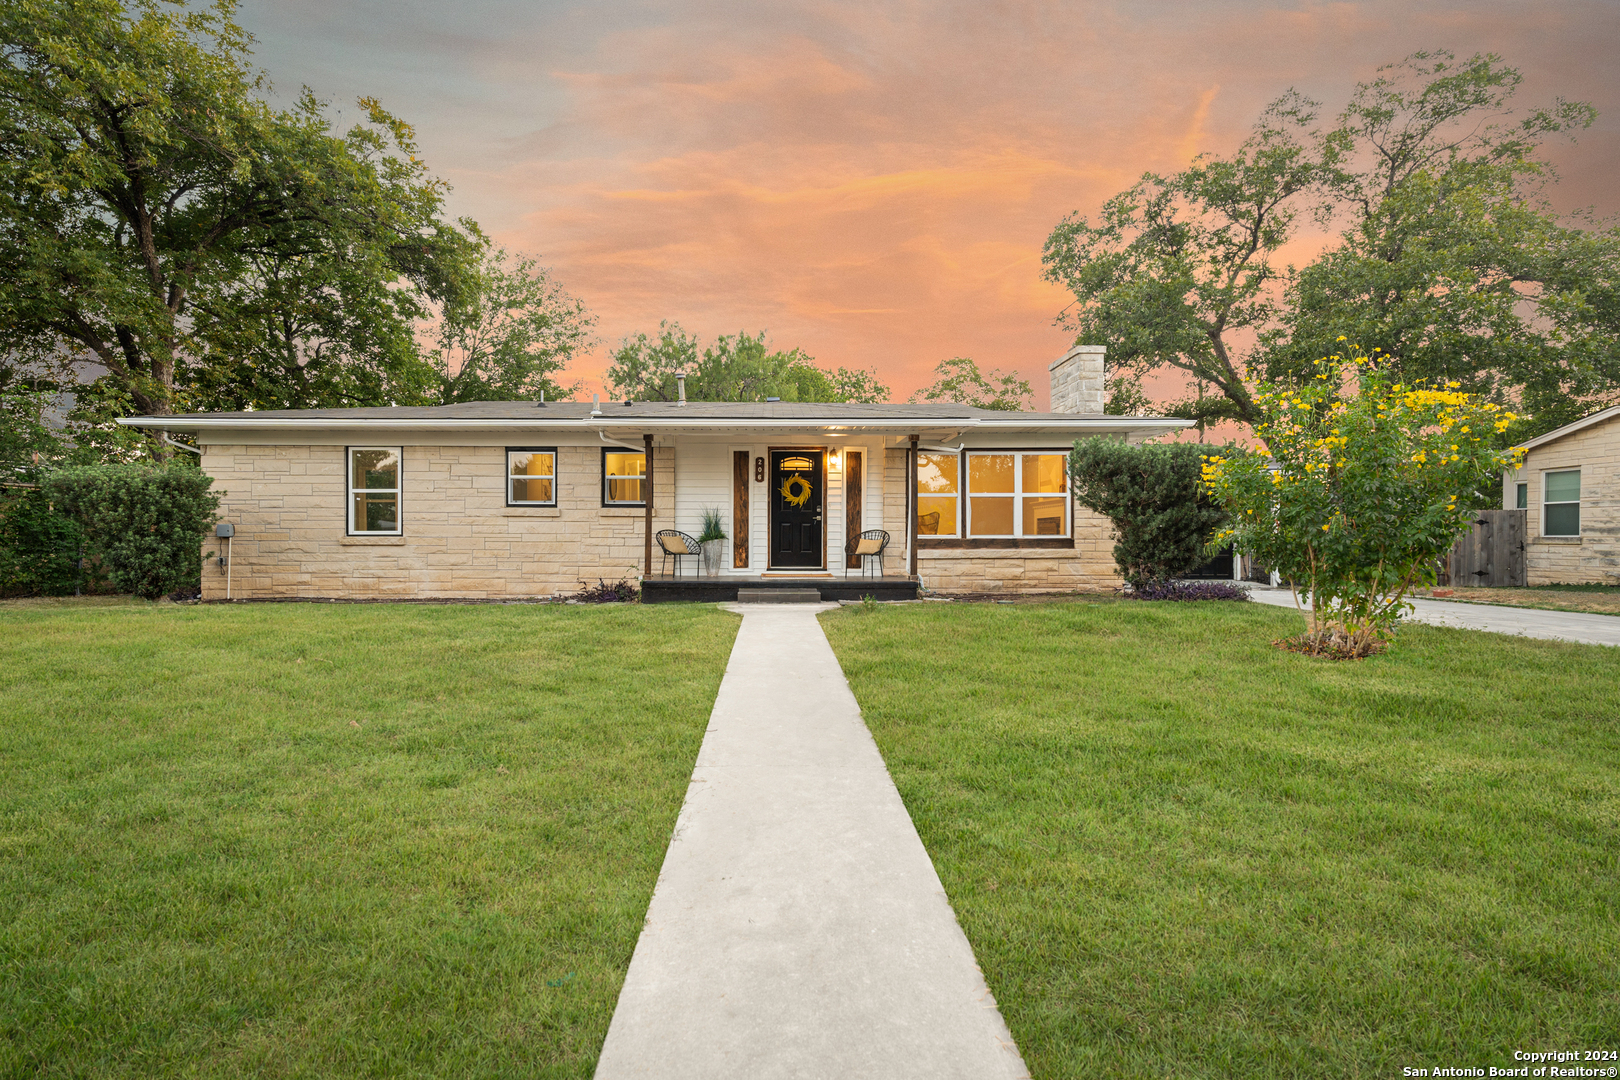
(39, 545)
(145, 522)
(1154, 497)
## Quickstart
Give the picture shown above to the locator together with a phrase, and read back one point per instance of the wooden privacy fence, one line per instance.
(1491, 554)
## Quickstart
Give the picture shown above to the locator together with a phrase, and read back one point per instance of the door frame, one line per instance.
(770, 510)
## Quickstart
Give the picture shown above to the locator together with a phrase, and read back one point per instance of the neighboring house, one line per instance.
(1569, 485)
(512, 499)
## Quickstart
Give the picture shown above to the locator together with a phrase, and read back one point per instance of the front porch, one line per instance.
(665, 588)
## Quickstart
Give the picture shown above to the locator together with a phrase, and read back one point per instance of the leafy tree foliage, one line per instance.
(515, 330)
(145, 522)
(1153, 496)
(738, 368)
(1450, 262)
(1179, 268)
(158, 217)
(1360, 485)
(959, 381)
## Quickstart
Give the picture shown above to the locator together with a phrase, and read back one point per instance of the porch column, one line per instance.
(646, 572)
(911, 505)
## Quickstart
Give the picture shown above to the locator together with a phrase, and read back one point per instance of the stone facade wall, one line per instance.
(1087, 567)
(1594, 556)
(460, 538)
(1079, 381)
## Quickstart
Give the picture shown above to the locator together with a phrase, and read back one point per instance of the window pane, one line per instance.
(991, 517)
(624, 490)
(1044, 517)
(936, 473)
(1522, 501)
(374, 469)
(1564, 519)
(1562, 486)
(991, 472)
(624, 464)
(376, 513)
(1045, 473)
(532, 490)
(532, 464)
(936, 515)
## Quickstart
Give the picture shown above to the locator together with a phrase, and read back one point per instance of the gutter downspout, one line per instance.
(166, 441)
(600, 434)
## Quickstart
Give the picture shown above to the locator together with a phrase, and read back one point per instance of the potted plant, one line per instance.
(713, 540)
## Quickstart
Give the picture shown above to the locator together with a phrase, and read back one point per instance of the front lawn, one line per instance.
(1179, 851)
(334, 840)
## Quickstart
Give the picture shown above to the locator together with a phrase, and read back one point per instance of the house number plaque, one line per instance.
(759, 470)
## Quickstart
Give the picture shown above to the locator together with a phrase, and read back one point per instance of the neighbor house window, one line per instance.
(1007, 495)
(624, 472)
(937, 492)
(1561, 503)
(531, 476)
(374, 490)
(1521, 496)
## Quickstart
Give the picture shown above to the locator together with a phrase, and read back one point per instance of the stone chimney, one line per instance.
(1078, 380)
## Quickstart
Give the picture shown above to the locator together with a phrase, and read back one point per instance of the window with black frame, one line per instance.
(624, 477)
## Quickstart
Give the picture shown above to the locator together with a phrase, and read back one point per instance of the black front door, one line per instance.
(796, 497)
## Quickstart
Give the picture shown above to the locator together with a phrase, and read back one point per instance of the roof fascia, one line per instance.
(1570, 429)
(646, 424)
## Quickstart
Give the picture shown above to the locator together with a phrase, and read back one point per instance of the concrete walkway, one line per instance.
(1578, 626)
(798, 928)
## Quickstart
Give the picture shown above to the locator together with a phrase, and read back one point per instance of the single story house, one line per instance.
(1569, 488)
(518, 499)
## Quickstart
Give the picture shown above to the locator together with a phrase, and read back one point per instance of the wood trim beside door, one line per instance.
(740, 469)
(853, 460)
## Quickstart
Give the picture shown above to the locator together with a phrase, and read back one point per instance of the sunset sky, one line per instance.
(869, 181)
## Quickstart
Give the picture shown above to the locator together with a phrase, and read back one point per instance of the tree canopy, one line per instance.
(1450, 261)
(734, 368)
(959, 381)
(152, 206)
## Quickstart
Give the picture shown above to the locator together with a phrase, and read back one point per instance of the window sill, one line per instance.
(1028, 543)
(372, 541)
(1555, 539)
(531, 512)
(624, 511)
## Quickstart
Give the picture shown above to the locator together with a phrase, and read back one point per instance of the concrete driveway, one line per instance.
(1577, 626)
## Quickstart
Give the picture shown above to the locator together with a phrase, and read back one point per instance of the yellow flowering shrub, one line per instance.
(1354, 495)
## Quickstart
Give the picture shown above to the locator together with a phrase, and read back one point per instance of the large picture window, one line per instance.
(531, 476)
(937, 494)
(1561, 503)
(374, 490)
(993, 494)
(624, 476)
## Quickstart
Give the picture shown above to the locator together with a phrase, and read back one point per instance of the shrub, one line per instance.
(1187, 590)
(39, 545)
(145, 522)
(1362, 485)
(1152, 494)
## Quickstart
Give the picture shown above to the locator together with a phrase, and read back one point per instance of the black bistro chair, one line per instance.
(869, 545)
(676, 545)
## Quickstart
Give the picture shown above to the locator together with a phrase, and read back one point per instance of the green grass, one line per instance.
(333, 841)
(1179, 851)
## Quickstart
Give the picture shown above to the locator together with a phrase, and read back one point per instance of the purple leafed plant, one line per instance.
(620, 592)
(1188, 590)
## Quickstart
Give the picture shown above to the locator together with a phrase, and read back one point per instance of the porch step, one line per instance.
(778, 596)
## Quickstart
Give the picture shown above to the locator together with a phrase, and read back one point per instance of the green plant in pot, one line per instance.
(713, 540)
